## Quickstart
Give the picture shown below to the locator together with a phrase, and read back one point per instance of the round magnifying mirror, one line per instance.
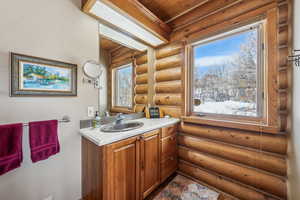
(92, 69)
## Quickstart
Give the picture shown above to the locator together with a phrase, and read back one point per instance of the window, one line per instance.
(123, 86)
(227, 73)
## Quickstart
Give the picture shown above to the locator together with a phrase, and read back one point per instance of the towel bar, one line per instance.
(65, 119)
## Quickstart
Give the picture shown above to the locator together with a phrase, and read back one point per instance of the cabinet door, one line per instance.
(122, 167)
(150, 162)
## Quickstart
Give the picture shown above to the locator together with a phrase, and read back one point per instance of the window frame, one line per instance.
(261, 82)
(114, 107)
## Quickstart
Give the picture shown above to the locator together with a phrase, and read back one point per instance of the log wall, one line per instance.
(119, 57)
(169, 70)
(245, 164)
(141, 82)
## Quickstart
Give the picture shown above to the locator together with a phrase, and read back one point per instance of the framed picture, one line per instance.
(32, 76)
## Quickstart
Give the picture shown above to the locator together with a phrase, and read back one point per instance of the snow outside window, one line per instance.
(228, 73)
(123, 84)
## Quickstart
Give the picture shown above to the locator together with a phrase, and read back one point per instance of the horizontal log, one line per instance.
(139, 108)
(171, 110)
(283, 120)
(168, 87)
(283, 13)
(141, 99)
(200, 12)
(142, 59)
(260, 160)
(141, 89)
(219, 17)
(168, 99)
(218, 182)
(283, 100)
(283, 81)
(264, 142)
(271, 184)
(168, 75)
(283, 35)
(141, 79)
(283, 55)
(141, 69)
(169, 62)
(169, 50)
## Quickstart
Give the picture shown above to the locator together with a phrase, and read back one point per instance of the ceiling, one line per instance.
(108, 44)
(168, 9)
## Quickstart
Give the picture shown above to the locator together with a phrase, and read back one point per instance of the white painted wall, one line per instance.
(54, 29)
(294, 145)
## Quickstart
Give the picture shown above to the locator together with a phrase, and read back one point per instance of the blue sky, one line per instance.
(217, 52)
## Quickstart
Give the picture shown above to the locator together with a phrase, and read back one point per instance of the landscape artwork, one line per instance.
(34, 76)
(44, 77)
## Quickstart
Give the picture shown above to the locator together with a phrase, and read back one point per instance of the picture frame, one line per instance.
(34, 76)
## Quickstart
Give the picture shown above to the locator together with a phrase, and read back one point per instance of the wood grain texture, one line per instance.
(92, 169)
(142, 59)
(230, 13)
(168, 75)
(228, 186)
(272, 163)
(141, 69)
(168, 87)
(138, 15)
(169, 50)
(169, 62)
(263, 181)
(201, 12)
(166, 10)
(141, 99)
(168, 151)
(150, 162)
(141, 79)
(141, 89)
(173, 111)
(265, 142)
(108, 45)
(168, 99)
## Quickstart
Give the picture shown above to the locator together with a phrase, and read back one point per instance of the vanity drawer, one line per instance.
(170, 130)
(168, 147)
(167, 168)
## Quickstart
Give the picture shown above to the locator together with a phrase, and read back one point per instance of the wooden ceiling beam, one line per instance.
(135, 11)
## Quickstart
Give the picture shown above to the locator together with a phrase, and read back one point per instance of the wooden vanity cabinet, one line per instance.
(111, 172)
(129, 169)
(168, 152)
(122, 168)
(150, 162)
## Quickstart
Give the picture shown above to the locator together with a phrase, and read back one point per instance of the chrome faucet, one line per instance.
(119, 118)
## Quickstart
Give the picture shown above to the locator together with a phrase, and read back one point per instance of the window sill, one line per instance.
(242, 125)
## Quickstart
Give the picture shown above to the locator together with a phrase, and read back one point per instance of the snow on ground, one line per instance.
(228, 107)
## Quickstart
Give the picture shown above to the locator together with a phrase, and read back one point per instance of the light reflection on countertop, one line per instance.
(102, 138)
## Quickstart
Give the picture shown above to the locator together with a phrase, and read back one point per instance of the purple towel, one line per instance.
(11, 155)
(43, 140)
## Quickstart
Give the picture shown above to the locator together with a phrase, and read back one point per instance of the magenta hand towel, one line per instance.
(43, 140)
(11, 155)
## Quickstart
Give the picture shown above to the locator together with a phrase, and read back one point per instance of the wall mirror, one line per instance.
(93, 70)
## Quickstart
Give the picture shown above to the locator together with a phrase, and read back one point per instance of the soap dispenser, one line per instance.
(96, 121)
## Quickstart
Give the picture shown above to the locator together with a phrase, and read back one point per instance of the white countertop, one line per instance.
(101, 138)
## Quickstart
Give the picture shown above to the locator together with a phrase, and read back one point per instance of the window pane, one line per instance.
(124, 86)
(226, 76)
